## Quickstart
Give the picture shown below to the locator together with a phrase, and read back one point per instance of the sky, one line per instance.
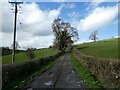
(34, 21)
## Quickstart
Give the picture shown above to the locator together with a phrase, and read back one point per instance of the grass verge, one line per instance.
(20, 82)
(87, 77)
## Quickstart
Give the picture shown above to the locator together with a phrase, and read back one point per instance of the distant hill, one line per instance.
(105, 48)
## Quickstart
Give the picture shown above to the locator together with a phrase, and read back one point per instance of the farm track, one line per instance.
(60, 75)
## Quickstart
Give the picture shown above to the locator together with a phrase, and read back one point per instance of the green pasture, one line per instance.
(105, 48)
(22, 56)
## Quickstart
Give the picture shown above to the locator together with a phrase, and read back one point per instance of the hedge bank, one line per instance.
(13, 71)
(107, 71)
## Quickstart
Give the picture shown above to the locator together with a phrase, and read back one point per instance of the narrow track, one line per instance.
(60, 75)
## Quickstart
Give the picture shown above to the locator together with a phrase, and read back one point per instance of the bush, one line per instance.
(13, 71)
(107, 71)
(50, 46)
(30, 53)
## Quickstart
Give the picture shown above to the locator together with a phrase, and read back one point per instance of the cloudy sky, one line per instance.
(35, 19)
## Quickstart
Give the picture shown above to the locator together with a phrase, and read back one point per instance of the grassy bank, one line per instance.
(22, 56)
(87, 77)
(104, 49)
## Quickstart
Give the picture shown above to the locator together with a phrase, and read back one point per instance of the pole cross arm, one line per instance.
(16, 2)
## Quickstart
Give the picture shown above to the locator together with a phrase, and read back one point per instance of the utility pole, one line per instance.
(14, 38)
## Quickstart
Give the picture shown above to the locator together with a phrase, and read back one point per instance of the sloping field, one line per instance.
(20, 57)
(104, 49)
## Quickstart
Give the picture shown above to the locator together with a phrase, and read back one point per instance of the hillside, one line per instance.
(105, 48)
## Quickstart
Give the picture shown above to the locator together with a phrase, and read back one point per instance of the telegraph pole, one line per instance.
(14, 37)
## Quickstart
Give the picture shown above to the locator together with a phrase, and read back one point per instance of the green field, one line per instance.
(20, 57)
(105, 48)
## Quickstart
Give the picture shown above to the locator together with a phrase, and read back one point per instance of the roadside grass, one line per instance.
(87, 77)
(23, 80)
(22, 56)
(104, 49)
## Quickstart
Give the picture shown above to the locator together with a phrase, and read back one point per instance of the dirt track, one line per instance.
(60, 75)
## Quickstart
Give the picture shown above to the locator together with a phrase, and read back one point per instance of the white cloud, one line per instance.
(68, 5)
(83, 0)
(116, 37)
(71, 5)
(37, 42)
(35, 29)
(74, 15)
(100, 17)
(37, 21)
(95, 3)
(7, 18)
(58, 0)
(82, 41)
(3, 1)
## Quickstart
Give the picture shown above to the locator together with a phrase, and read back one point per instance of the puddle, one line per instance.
(78, 82)
(73, 71)
(49, 83)
(71, 76)
(29, 89)
(50, 74)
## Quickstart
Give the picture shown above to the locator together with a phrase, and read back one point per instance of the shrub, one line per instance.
(30, 53)
(13, 71)
(107, 71)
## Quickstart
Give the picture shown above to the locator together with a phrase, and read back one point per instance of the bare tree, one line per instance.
(94, 36)
(16, 45)
(30, 53)
(64, 34)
